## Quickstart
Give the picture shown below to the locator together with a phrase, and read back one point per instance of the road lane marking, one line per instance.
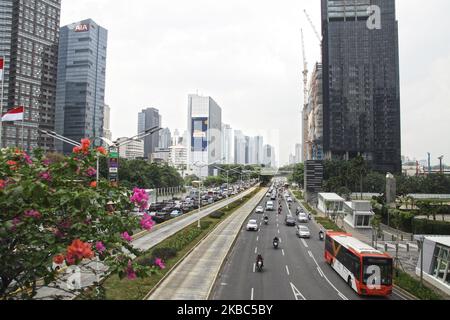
(304, 243)
(282, 251)
(320, 272)
(326, 278)
(256, 250)
(297, 293)
(254, 267)
(257, 238)
(253, 292)
(278, 231)
(287, 270)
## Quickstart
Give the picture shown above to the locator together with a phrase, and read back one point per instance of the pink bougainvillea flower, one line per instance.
(100, 247)
(125, 236)
(45, 176)
(140, 198)
(46, 162)
(147, 222)
(91, 172)
(160, 263)
(33, 214)
(131, 274)
(2, 184)
(27, 158)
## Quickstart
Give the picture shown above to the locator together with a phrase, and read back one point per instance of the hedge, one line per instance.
(424, 226)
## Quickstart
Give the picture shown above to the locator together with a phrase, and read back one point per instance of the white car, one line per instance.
(303, 232)
(252, 225)
(175, 213)
(303, 218)
(259, 209)
(289, 199)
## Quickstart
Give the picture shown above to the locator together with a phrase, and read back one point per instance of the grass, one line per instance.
(113, 288)
(309, 208)
(328, 224)
(413, 286)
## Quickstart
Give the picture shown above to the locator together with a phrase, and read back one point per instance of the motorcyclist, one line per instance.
(276, 239)
(266, 219)
(321, 234)
(260, 258)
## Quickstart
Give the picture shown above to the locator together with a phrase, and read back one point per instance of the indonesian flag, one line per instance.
(15, 114)
(2, 67)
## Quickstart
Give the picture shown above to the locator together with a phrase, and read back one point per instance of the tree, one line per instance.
(298, 174)
(54, 211)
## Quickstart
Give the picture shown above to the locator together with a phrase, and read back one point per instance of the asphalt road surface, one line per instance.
(297, 270)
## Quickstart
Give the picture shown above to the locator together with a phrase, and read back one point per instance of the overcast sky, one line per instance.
(246, 54)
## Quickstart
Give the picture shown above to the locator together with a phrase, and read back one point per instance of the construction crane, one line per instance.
(305, 73)
(313, 26)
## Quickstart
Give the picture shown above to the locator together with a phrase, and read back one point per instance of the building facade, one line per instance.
(29, 37)
(227, 144)
(239, 147)
(147, 119)
(133, 150)
(269, 156)
(361, 90)
(178, 157)
(165, 138)
(205, 133)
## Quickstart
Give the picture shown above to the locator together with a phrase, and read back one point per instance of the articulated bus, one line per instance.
(367, 271)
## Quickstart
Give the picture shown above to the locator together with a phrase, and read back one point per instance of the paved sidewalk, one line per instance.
(194, 277)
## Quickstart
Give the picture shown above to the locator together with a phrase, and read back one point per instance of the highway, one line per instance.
(295, 271)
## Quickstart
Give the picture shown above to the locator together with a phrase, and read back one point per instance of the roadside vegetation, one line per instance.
(413, 286)
(171, 251)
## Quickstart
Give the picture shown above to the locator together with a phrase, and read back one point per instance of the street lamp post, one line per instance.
(421, 240)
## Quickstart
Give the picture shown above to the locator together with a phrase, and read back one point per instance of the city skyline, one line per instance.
(422, 87)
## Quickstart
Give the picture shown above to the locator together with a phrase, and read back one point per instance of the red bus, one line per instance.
(367, 271)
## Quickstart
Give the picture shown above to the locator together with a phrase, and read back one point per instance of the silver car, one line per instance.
(303, 232)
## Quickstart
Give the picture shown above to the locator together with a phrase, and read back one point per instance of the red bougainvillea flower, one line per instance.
(2, 184)
(147, 222)
(100, 247)
(78, 251)
(93, 184)
(125, 236)
(102, 150)
(33, 214)
(12, 165)
(85, 143)
(77, 150)
(159, 263)
(59, 259)
(131, 274)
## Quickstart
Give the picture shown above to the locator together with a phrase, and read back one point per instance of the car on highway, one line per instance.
(176, 213)
(290, 221)
(252, 225)
(303, 218)
(303, 232)
(270, 206)
(289, 199)
(259, 209)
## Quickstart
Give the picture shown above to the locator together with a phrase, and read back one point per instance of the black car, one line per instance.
(161, 217)
(290, 221)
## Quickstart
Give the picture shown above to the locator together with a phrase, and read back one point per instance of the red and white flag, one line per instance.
(2, 67)
(15, 114)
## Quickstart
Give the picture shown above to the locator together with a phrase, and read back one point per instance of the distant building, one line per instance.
(204, 127)
(313, 180)
(298, 153)
(161, 155)
(165, 138)
(269, 156)
(132, 150)
(178, 157)
(256, 145)
(80, 94)
(147, 119)
(239, 147)
(227, 144)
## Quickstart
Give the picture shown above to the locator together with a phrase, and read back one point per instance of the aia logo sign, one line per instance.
(82, 28)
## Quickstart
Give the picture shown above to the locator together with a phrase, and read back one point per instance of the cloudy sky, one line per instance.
(246, 54)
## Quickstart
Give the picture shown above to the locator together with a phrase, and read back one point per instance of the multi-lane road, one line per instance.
(295, 271)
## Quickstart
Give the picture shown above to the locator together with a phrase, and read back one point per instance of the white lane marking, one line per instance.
(287, 270)
(278, 231)
(282, 251)
(320, 272)
(304, 243)
(297, 293)
(326, 278)
(257, 238)
(254, 267)
(253, 292)
(256, 250)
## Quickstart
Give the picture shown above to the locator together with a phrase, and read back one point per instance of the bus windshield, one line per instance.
(370, 267)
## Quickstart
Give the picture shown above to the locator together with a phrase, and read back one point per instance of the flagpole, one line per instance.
(1, 102)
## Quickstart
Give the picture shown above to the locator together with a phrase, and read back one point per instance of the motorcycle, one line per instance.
(259, 265)
(266, 221)
(309, 217)
(275, 244)
(321, 236)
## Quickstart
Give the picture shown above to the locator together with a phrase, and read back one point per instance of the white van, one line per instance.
(269, 206)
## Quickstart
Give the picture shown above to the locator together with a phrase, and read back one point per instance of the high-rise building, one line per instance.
(239, 147)
(256, 150)
(227, 144)
(269, 156)
(132, 150)
(165, 138)
(361, 91)
(204, 127)
(29, 36)
(147, 119)
(298, 153)
(178, 157)
(107, 122)
(80, 96)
